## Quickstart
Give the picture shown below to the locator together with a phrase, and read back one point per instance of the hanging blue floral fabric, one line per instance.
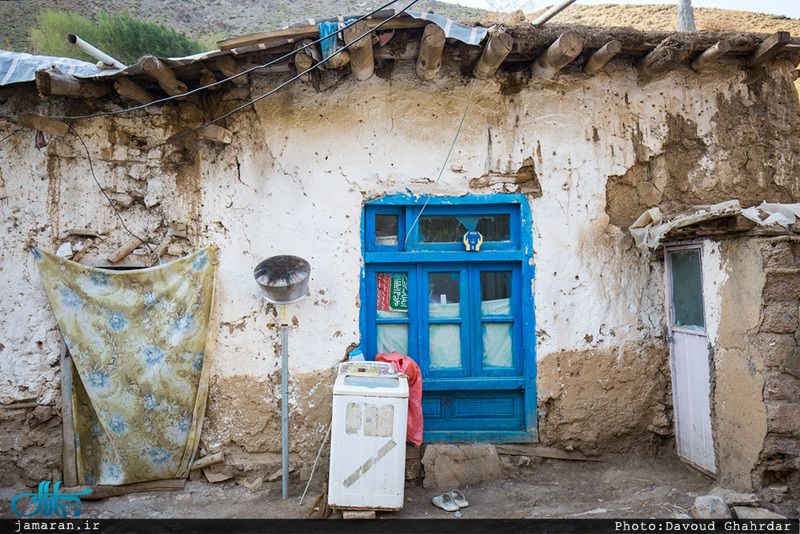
(138, 344)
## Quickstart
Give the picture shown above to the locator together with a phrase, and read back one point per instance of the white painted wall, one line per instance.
(294, 182)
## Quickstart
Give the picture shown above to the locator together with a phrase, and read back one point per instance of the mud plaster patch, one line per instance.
(243, 417)
(605, 400)
(665, 176)
(30, 450)
(745, 166)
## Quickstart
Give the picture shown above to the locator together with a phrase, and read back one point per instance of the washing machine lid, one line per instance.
(371, 385)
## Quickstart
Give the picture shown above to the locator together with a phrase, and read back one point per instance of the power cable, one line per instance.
(9, 136)
(91, 169)
(446, 159)
(284, 84)
(246, 71)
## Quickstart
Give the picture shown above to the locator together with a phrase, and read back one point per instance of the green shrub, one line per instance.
(120, 36)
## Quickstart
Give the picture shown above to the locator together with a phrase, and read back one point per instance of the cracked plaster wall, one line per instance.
(294, 182)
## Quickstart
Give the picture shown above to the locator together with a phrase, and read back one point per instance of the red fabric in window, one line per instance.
(384, 282)
(409, 367)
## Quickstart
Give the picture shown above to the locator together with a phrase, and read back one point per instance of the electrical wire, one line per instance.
(284, 84)
(446, 159)
(244, 72)
(91, 169)
(12, 134)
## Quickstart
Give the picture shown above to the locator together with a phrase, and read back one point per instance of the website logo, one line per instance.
(50, 503)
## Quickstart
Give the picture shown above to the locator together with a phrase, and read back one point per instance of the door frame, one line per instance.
(409, 252)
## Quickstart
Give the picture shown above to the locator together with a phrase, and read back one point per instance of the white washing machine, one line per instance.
(368, 437)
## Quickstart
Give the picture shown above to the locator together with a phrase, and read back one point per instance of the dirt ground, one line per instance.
(616, 487)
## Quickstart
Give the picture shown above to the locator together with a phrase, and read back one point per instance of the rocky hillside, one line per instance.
(206, 20)
(211, 20)
(664, 17)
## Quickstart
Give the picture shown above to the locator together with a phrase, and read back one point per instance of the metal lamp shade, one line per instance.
(283, 279)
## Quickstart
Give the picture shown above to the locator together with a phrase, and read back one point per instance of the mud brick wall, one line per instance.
(778, 341)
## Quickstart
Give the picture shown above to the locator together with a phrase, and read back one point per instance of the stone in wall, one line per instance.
(778, 342)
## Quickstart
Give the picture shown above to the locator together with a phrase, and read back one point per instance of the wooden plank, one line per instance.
(711, 54)
(209, 460)
(558, 55)
(311, 30)
(129, 246)
(44, 124)
(68, 451)
(215, 477)
(362, 64)
(217, 134)
(132, 90)
(602, 56)
(53, 82)
(496, 50)
(429, 58)
(768, 49)
(163, 75)
(103, 492)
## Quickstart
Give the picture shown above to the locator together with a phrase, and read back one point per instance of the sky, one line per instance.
(789, 8)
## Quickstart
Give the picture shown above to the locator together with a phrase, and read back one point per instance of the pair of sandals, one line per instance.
(451, 501)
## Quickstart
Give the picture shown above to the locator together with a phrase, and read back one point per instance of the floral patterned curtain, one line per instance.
(140, 372)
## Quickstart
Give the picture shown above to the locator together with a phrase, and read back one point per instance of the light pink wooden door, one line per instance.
(689, 356)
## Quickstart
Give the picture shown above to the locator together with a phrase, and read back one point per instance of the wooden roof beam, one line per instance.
(665, 56)
(53, 82)
(711, 54)
(163, 75)
(207, 77)
(228, 67)
(768, 49)
(496, 50)
(602, 56)
(129, 89)
(558, 55)
(431, 46)
(362, 64)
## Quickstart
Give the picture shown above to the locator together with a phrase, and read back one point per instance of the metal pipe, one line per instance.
(284, 412)
(104, 58)
(552, 12)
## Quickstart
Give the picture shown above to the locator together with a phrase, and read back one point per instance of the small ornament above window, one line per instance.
(472, 241)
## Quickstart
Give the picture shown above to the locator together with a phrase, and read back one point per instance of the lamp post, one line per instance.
(283, 280)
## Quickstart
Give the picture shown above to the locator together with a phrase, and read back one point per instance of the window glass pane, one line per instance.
(687, 290)
(392, 337)
(443, 295)
(434, 229)
(495, 293)
(497, 346)
(386, 228)
(445, 346)
(494, 227)
(444, 229)
(392, 292)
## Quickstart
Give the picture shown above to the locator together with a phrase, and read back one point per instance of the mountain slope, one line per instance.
(207, 21)
(211, 20)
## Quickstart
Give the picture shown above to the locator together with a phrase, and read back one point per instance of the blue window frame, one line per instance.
(465, 317)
